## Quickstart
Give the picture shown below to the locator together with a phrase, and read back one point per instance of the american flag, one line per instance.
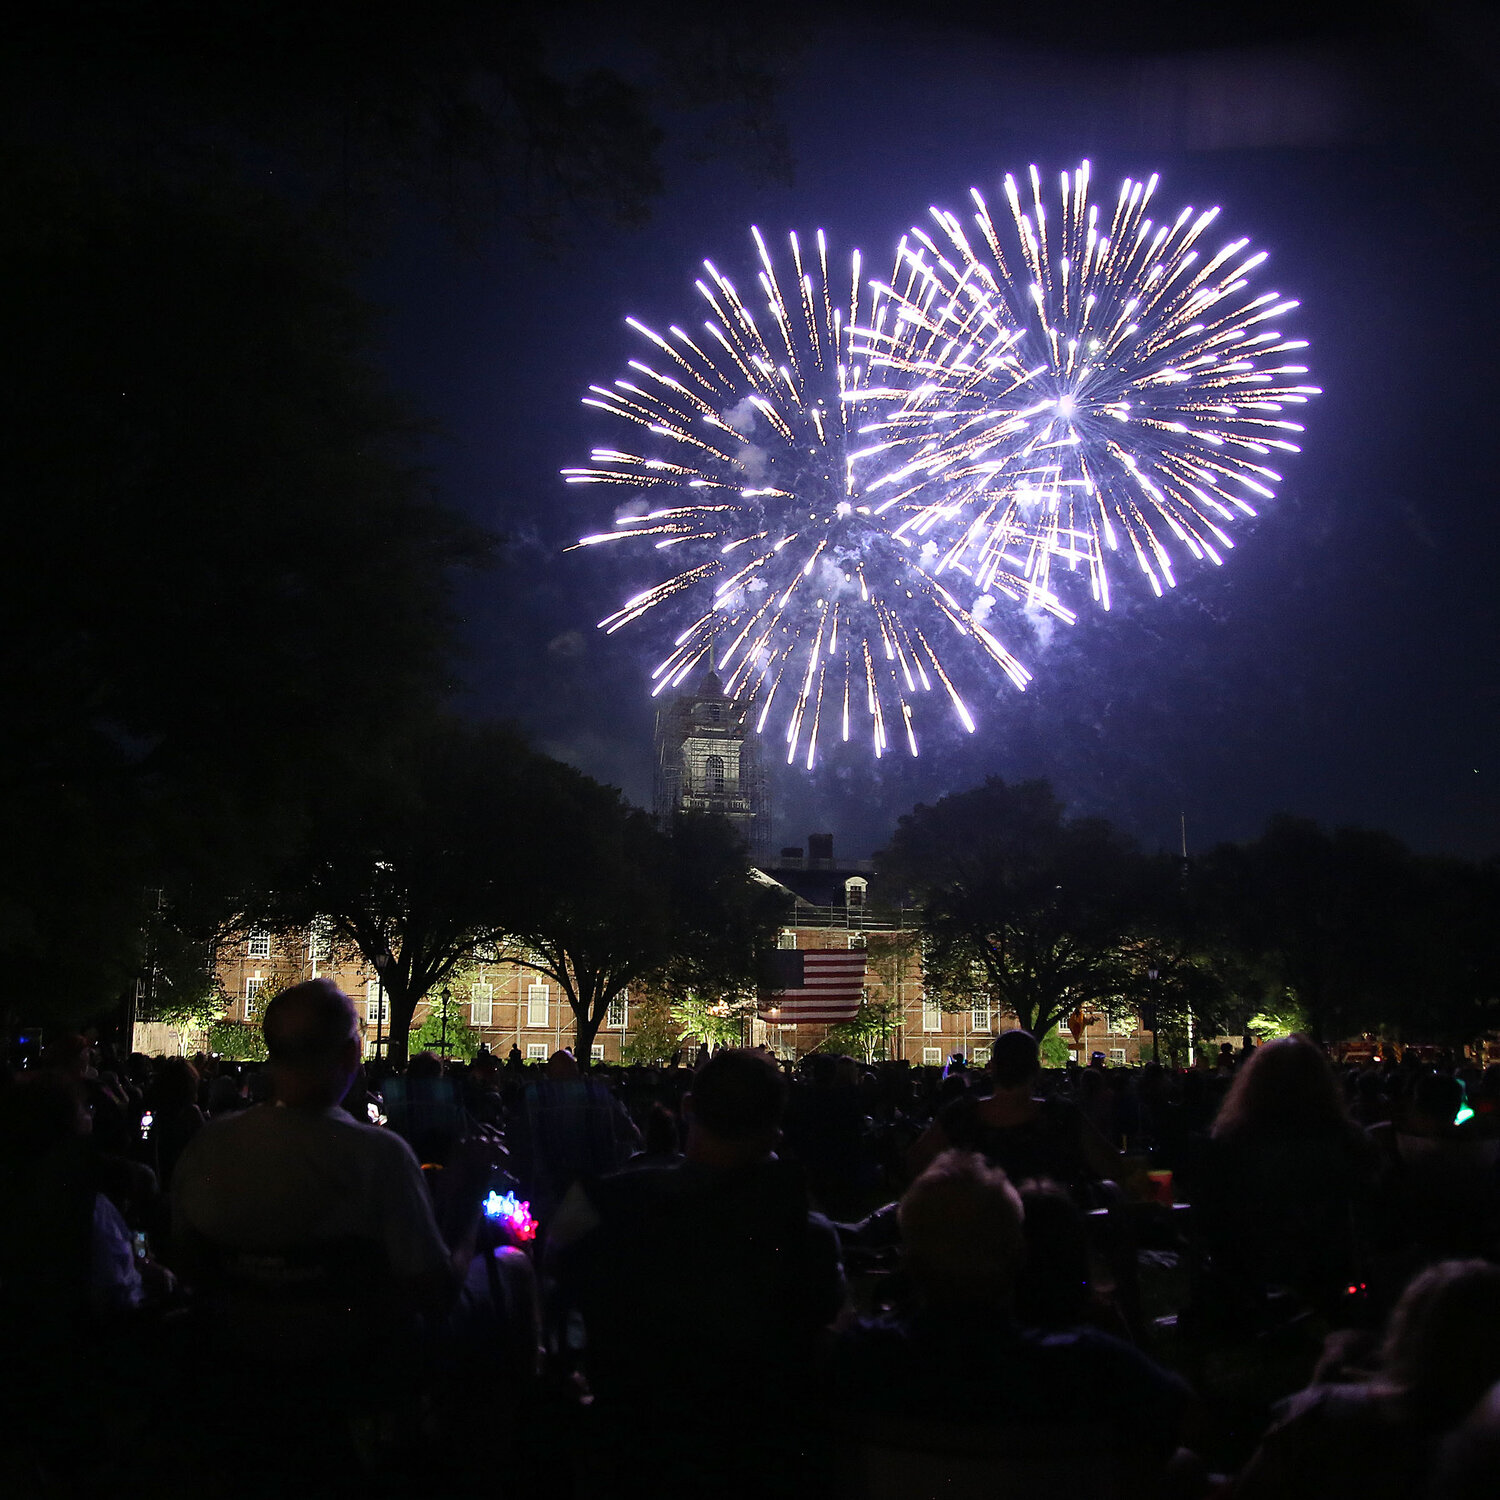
(814, 986)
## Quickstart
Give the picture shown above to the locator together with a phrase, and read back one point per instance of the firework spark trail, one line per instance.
(1086, 389)
(803, 588)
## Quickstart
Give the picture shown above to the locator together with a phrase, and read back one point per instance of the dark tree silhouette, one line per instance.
(1018, 903)
(223, 579)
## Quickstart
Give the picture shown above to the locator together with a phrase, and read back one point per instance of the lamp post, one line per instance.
(1155, 1045)
(446, 995)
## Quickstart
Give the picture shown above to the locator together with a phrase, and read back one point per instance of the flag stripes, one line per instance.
(816, 986)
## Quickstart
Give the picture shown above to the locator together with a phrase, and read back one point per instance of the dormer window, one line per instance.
(854, 891)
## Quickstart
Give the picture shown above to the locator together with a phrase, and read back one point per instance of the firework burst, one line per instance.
(1075, 389)
(744, 474)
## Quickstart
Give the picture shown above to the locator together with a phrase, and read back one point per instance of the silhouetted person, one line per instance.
(700, 1282)
(959, 1353)
(1375, 1439)
(295, 1190)
(1015, 1130)
(567, 1128)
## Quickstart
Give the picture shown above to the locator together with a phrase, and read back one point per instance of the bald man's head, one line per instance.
(312, 1037)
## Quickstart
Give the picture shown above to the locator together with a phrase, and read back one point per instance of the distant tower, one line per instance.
(708, 760)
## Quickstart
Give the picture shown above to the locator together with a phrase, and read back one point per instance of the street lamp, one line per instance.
(1155, 1044)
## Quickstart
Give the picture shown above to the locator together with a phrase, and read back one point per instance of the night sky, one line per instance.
(1342, 665)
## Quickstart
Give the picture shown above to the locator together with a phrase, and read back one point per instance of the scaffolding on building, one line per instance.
(708, 760)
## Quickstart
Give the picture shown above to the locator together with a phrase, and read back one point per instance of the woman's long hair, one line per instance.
(1285, 1088)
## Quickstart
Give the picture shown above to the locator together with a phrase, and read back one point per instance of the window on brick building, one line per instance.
(788, 939)
(932, 1017)
(932, 1057)
(375, 1003)
(537, 1004)
(617, 1014)
(536, 1052)
(253, 1003)
(858, 940)
(979, 1016)
(481, 1004)
(258, 944)
(319, 943)
(1117, 1057)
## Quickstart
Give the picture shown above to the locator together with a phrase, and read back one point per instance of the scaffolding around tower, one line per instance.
(708, 760)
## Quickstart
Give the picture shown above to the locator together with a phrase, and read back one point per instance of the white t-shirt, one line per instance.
(274, 1177)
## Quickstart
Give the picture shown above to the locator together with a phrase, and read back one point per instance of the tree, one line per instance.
(445, 1030)
(1018, 903)
(655, 1035)
(415, 867)
(1331, 915)
(720, 1022)
(221, 556)
(364, 110)
(622, 903)
(866, 1032)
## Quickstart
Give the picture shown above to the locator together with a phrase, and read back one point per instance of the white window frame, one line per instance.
(481, 1005)
(319, 944)
(932, 1017)
(980, 1016)
(538, 999)
(536, 1052)
(258, 943)
(788, 938)
(617, 1016)
(858, 940)
(932, 1057)
(596, 1052)
(1117, 1057)
(377, 1003)
(254, 984)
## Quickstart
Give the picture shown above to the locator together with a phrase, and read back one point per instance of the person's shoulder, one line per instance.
(226, 1129)
(1102, 1361)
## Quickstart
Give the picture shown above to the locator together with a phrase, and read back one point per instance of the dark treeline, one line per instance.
(1340, 933)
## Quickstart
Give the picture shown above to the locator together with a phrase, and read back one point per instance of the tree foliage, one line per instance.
(620, 903)
(445, 1031)
(654, 1034)
(414, 864)
(1019, 904)
(464, 108)
(221, 558)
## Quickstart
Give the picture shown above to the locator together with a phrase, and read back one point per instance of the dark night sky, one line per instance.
(1341, 665)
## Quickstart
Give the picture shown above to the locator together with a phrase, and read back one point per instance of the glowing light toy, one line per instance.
(514, 1213)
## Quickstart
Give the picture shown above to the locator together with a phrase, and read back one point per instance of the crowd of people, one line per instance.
(734, 1274)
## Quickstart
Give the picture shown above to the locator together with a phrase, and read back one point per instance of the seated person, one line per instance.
(958, 1356)
(1013, 1129)
(566, 1129)
(1376, 1438)
(701, 1281)
(1282, 1188)
(1439, 1176)
(292, 1208)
